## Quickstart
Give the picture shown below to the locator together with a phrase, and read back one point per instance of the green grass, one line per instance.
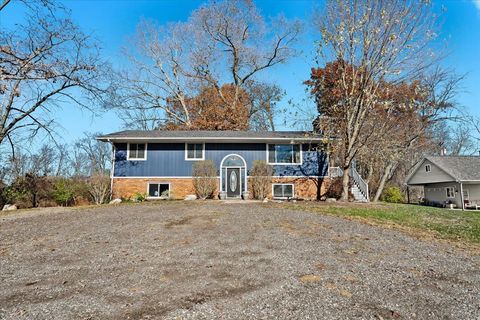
(447, 224)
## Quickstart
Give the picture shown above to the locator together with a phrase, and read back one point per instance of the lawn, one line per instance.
(457, 225)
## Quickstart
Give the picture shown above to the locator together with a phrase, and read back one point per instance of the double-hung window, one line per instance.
(428, 168)
(137, 151)
(194, 151)
(284, 154)
(450, 192)
(282, 190)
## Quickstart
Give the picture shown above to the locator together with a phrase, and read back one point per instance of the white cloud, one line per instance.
(476, 3)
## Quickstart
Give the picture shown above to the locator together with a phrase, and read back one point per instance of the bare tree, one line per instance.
(225, 42)
(413, 113)
(45, 62)
(29, 4)
(263, 105)
(373, 41)
(94, 155)
(474, 124)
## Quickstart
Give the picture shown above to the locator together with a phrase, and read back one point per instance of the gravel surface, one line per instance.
(212, 260)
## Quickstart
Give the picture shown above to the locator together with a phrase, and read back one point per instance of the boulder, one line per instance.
(9, 207)
(116, 201)
(190, 197)
(265, 200)
(330, 200)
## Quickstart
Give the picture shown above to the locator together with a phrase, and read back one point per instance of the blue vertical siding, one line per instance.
(168, 160)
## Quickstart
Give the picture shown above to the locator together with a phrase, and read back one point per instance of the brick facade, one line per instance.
(127, 187)
(305, 188)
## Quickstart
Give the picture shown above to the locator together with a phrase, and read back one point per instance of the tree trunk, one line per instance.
(383, 181)
(345, 183)
(370, 172)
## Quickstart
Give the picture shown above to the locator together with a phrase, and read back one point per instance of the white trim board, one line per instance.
(190, 177)
(212, 139)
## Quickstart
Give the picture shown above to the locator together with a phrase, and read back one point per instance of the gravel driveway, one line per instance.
(211, 260)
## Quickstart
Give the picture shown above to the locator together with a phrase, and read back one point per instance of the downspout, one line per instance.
(112, 170)
(461, 196)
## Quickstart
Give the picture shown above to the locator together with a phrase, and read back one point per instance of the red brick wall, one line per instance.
(127, 187)
(305, 188)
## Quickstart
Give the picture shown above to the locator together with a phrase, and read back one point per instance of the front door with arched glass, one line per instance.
(233, 175)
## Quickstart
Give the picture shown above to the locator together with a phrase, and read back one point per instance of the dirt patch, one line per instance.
(310, 278)
(179, 222)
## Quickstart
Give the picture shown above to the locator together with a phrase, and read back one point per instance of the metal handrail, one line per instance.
(336, 172)
(361, 184)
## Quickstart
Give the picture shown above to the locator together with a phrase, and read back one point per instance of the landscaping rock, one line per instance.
(265, 200)
(330, 200)
(9, 207)
(115, 201)
(190, 197)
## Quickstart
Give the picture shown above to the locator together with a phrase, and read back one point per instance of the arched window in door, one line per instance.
(232, 161)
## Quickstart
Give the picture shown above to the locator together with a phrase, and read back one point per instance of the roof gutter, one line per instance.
(126, 139)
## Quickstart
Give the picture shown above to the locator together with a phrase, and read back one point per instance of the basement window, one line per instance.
(282, 190)
(159, 190)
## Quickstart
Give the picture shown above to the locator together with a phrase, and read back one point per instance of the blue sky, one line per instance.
(112, 21)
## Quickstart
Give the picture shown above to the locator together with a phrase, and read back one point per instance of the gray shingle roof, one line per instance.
(462, 168)
(221, 135)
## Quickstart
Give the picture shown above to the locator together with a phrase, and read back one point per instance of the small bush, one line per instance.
(99, 187)
(261, 179)
(393, 195)
(139, 197)
(204, 179)
(63, 192)
(334, 188)
(17, 193)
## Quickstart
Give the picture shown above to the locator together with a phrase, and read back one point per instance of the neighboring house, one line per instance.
(446, 178)
(159, 163)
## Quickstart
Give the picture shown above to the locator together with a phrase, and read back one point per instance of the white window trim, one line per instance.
(137, 159)
(428, 168)
(453, 191)
(159, 197)
(194, 159)
(283, 163)
(281, 184)
(465, 191)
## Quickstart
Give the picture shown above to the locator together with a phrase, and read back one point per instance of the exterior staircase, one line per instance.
(359, 187)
